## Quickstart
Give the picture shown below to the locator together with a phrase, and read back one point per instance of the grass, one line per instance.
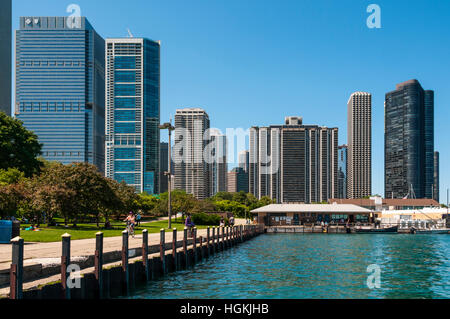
(85, 231)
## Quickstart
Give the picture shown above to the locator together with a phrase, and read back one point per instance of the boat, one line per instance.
(371, 230)
(430, 231)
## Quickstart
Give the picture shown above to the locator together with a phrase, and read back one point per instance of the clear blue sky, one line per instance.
(253, 62)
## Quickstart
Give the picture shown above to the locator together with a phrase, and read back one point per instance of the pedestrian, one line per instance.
(138, 219)
(222, 222)
(232, 221)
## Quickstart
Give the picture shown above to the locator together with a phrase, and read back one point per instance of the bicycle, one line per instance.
(130, 229)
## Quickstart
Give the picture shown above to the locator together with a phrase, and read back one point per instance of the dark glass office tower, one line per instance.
(5, 56)
(60, 87)
(409, 141)
(436, 177)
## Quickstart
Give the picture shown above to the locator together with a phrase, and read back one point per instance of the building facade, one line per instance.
(294, 163)
(359, 160)
(237, 180)
(218, 163)
(5, 56)
(436, 177)
(192, 171)
(60, 87)
(409, 141)
(133, 112)
(342, 171)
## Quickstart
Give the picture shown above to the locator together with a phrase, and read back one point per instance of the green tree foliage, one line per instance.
(10, 176)
(181, 203)
(19, 148)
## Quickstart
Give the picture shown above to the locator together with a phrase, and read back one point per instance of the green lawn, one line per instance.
(83, 231)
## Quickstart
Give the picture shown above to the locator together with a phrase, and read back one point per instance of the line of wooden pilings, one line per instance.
(101, 281)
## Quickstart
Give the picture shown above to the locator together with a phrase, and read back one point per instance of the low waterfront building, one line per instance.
(418, 218)
(299, 214)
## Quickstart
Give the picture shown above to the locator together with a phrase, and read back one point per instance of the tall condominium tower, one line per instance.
(132, 112)
(342, 171)
(5, 56)
(294, 162)
(436, 177)
(60, 87)
(192, 171)
(218, 163)
(359, 161)
(409, 141)
(163, 167)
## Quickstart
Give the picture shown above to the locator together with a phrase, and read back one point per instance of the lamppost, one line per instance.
(170, 128)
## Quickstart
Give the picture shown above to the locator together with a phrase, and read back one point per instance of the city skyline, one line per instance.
(378, 83)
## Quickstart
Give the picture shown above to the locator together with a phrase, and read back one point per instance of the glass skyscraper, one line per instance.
(5, 56)
(342, 173)
(133, 112)
(60, 87)
(409, 141)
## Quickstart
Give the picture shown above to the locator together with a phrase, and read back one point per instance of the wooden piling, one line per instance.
(98, 262)
(16, 271)
(145, 261)
(174, 249)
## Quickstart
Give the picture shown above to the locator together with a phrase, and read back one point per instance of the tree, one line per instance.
(19, 148)
(11, 198)
(146, 203)
(10, 176)
(181, 202)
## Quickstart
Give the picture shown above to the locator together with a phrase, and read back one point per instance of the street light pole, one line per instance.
(168, 126)
(170, 179)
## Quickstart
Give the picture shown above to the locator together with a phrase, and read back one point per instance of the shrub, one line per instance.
(206, 219)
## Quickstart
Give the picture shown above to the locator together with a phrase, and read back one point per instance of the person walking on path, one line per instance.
(232, 221)
(189, 224)
(138, 219)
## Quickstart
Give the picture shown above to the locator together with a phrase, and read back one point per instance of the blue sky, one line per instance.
(249, 62)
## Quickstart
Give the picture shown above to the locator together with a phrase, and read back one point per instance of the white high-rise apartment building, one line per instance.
(192, 171)
(359, 175)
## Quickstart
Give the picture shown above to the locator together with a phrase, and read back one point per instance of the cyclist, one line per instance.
(190, 225)
(131, 221)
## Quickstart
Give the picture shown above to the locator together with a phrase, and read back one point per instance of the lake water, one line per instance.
(301, 266)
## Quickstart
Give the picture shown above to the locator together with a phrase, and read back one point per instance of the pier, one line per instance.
(108, 272)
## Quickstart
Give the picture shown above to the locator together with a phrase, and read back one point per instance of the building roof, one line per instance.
(420, 202)
(312, 208)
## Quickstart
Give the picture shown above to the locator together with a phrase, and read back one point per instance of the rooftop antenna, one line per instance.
(130, 34)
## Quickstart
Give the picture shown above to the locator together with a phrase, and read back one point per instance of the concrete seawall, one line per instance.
(118, 282)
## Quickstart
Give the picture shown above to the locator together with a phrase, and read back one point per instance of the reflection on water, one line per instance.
(316, 266)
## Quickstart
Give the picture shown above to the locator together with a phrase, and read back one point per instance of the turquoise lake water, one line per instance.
(298, 266)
